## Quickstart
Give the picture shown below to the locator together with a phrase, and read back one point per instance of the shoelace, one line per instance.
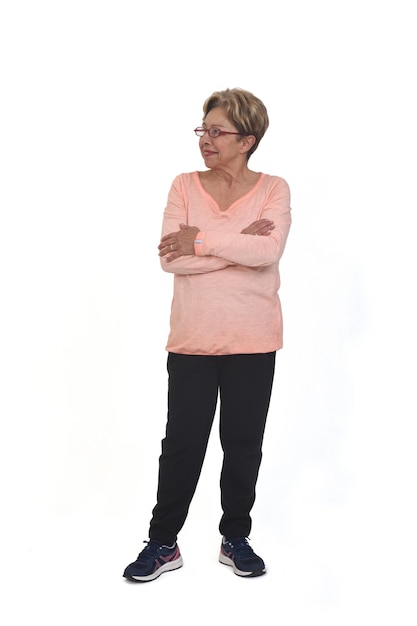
(241, 547)
(151, 550)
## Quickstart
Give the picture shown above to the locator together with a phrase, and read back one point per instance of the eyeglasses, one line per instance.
(213, 132)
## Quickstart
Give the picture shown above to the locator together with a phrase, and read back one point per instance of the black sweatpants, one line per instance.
(243, 382)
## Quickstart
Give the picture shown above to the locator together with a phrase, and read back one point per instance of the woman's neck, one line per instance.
(229, 177)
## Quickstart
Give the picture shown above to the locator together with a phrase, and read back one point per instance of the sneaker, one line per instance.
(237, 552)
(153, 561)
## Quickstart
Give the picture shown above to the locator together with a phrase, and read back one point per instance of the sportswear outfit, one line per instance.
(225, 328)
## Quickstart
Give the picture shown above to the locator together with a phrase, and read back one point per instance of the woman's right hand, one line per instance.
(260, 227)
(178, 243)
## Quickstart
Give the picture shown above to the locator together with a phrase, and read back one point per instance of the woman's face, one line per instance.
(222, 150)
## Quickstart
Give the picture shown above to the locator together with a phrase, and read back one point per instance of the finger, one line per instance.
(166, 243)
(172, 257)
(265, 229)
(265, 224)
(167, 249)
(168, 236)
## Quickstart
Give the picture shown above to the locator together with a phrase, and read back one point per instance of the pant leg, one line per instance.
(245, 392)
(192, 399)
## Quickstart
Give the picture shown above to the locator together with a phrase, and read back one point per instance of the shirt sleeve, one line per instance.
(250, 250)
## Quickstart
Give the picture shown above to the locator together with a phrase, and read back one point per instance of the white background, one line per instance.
(98, 102)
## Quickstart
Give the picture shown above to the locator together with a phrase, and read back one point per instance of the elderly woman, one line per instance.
(224, 231)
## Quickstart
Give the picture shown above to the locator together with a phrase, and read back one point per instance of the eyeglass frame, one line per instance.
(218, 133)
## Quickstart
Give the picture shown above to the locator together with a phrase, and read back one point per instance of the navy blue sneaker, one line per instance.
(237, 553)
(153, 561)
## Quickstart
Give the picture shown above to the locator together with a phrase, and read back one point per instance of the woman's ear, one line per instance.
(247, 143)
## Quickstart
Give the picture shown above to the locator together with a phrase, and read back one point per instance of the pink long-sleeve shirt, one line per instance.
(225, 297)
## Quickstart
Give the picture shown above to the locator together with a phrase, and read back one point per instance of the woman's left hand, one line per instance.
(261, 227)
(179, 243)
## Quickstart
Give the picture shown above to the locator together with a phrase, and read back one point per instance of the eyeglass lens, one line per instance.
(213, 132)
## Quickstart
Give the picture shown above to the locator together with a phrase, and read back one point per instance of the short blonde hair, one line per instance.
(244, 110)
